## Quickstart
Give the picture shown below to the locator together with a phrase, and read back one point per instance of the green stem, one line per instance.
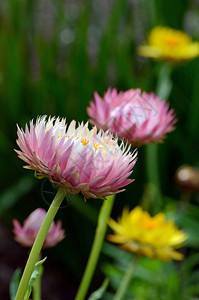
(185, 199)
(164, 86)
(192, 119)
(164, 83)
(120, 293)
(153, 176)
(34, 253)
(37, 283)
(104, 214)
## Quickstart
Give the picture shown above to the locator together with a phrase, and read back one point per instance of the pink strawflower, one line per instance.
(140, 118)
(27, 233)
(78, 159)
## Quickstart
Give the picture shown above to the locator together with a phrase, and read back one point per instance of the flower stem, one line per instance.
(37, 283)
(120, 293)
(34, 253)
(164, 83)
(164, 86)
(153, 176)
(100, 232)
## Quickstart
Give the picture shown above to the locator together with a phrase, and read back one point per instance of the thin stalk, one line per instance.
(164, 86)
(37, 284)
(121, 291)
(164, 83)
(35, 251)
(100, 232)
(152, 171)
(184, 200)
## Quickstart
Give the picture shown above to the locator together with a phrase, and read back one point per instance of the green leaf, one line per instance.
(33, 277)
(99, 292)
(14, 283)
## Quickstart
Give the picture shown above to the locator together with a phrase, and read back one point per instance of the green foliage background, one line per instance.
(53, 56)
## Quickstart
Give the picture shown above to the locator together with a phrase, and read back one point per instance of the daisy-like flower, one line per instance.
(168, 44)
(136, 231)
(77, 159)
(26, 234)
(140, 118)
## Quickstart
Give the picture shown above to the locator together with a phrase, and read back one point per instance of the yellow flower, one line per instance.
(169, 44)
(138, 232)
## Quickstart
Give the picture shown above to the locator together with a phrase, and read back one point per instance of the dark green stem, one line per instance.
(152, 170)
(164, 86)
(36, 248)
(100, 232)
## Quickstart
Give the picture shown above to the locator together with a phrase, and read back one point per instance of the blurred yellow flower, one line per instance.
(138, 232)
(168, 44)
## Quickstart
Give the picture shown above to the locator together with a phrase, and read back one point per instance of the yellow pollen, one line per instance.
(103, 151)
(60, 136)
(96, 146)
(85, 142)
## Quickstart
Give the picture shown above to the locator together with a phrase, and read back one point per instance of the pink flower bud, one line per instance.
(187, 178)
(27, 233)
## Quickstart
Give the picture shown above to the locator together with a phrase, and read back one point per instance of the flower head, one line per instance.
(139, 118)
(136, 231)
(27, 233)
(187, 178)
(78, 159)
(169, 44)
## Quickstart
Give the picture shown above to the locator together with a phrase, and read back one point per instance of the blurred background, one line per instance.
(53, 56)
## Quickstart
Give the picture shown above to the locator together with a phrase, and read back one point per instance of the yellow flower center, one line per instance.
(86, 142)
(172, 41)
(149, 224)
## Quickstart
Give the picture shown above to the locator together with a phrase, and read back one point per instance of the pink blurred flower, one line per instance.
(27, 233)
(139, 118)
(78, 159)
